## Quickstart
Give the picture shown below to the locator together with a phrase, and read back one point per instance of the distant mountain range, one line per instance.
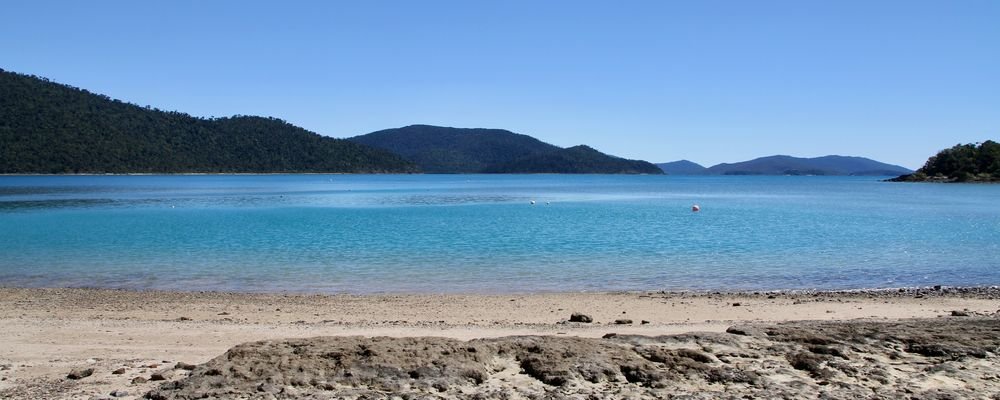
(46, 127)
(438, 149)
(788, 165)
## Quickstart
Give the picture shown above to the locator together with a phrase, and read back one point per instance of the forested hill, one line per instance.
(46, 127)
(575, 160)
(682, 167)
(827, 165)
(438, 149)
(961, 163)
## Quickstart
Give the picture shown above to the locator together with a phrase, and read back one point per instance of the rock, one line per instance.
(118, 371)
(290, 392)
(789, 360)
(623, 321)
(183, 319)
(80, 373)
(644, 322)
(139, 380)
(957, 313)
(578, 317)
(119, 393)
(185, 366)
(162, 375)
(737, 304)
(744, 331)
(265, 387)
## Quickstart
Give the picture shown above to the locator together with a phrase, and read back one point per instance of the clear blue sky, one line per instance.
(709, 81)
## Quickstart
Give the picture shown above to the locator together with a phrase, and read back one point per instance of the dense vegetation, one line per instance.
(439, 149)
(682, 167)
(961, 163)
(575, 160)
(827, 165)
(46, 127)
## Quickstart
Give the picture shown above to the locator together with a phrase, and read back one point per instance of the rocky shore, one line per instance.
(931, 342)
(918, 359)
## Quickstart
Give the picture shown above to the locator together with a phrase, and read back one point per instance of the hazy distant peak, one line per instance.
(825, 165)
(681, 167)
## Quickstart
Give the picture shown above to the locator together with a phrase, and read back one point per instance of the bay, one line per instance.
(482, 234)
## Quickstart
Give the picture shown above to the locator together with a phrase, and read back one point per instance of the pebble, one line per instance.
(80, 373)
(578, 317)
(185, 366)
(162, 375)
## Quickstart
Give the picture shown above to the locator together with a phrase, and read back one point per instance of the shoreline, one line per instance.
(49, 332)
(986, 291)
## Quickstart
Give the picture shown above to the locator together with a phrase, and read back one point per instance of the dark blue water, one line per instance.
(479, 233)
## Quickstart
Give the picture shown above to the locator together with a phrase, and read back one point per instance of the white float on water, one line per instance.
(695, 208)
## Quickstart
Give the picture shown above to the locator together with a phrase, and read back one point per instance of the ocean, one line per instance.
(482, 234)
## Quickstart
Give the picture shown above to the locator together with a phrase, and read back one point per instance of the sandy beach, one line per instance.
(124, 335)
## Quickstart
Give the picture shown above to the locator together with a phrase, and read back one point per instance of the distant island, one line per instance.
(961, 163)
(51, 128)
(682, 167)
(788, 165)
(438, 149)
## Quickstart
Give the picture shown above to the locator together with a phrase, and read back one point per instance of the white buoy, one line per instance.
(695, 208)
(532, 202)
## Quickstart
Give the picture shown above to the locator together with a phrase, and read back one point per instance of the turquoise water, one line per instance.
(479, 233)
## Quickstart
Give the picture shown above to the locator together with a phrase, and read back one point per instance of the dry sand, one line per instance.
(46, 333)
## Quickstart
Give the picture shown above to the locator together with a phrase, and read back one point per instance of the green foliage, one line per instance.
(439, 149)
(576, 160)
(46, 127)
(974, 162)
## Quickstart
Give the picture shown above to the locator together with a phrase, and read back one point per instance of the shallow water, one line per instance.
(479, 233)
